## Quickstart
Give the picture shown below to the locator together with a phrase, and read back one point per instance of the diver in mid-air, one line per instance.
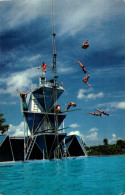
(69, 105)
(85, 45)
(102, 112)
(83, 68)
(85, 80)
(96, 114)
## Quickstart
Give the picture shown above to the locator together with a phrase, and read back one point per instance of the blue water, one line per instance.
(81, 176)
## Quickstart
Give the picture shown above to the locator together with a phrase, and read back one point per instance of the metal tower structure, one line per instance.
(43, 120)
(41, 117)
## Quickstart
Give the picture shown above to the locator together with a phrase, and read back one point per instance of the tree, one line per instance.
(120, 143)
(105, 141)
(3, 128)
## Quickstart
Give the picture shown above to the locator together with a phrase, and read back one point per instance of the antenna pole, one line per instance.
(53, 38)
(54, 73)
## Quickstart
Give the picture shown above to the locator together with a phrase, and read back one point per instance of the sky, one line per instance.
(26, 41)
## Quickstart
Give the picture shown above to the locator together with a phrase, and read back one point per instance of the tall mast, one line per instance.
(53, 38)
(54, 74)
(54, 54)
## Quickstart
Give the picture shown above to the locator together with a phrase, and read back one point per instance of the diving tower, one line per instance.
(43, 120)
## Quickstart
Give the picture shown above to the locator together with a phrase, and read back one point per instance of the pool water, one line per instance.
(82, 175)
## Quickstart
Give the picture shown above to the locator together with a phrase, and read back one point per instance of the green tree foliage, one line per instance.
(105, 141)
(3, 128)
(106, 149)
(121, 143)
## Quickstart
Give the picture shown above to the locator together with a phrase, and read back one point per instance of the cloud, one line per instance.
(94, 96)
(91, 139)
(65, 70)
(81, 94)
(113, 105)
(21, 80)
(118, 105)
(24, 11)
(7, 103)
(93, 129)
(30, 59)
(116, 71)
(113, 139)
(77, 16)
(75, 125)
(17, 130)
(93, 136)
(71, 16)
(76, 133)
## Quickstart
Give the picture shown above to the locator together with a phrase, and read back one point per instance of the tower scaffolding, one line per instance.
(42, 120)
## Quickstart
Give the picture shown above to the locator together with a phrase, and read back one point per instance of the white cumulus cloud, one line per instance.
(65, 70)
(93, 129)
(113, 139)
(75, 125)
(118, 105)
(21, 80)
(85, 94)
(115, 105)
(93, 136)
(76, 133)
(17, 130)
